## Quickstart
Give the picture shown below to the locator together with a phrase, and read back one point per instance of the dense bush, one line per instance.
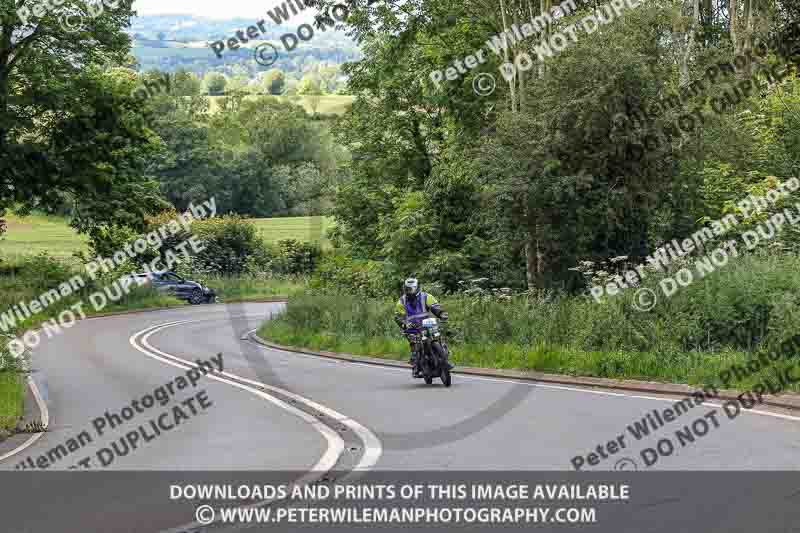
(447, 269)
(41, 272)
(357, 276)
(231, 246)
(291, 256)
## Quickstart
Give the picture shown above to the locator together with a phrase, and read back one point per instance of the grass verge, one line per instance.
(12, 392)
(695, 338)
(248, 288)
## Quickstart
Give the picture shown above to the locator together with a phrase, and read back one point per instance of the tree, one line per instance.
(69, 130)
(310, 88)
(273, 82)
(215, 83)
(238, 84)
(541, 164)
(327, 77)
(260, 157)
(186, 83)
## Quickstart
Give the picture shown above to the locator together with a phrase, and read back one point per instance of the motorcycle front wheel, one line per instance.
(446, 379)
(427, 370)
(441, 359)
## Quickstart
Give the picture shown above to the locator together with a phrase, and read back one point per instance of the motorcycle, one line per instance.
(432, 352)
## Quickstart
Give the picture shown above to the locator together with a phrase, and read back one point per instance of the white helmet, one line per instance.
(411, 287)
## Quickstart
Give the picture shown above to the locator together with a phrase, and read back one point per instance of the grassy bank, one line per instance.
(690, 338)
(12, 393)
(248, 288)
(28, 279)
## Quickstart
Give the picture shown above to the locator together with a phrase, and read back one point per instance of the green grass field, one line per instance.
(306, 229)
(331, 104)
(37, 233)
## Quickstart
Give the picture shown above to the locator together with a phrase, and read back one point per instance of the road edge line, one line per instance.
(44, 415)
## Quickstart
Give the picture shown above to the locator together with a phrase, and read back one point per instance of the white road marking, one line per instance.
(45, 421)
(372, 446)
(335, 444)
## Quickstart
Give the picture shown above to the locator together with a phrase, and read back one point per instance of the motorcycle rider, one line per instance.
(411, 308)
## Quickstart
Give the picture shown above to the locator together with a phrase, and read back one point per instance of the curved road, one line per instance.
(275, 410)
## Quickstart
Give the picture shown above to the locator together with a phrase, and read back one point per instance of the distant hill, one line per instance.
(169, 42)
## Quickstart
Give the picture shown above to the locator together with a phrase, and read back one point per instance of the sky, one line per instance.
(206, 8)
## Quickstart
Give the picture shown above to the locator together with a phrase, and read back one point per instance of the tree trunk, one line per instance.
(531, 246)
(733, 13)
(4, 118)
(685, 77)
(544, 7)
(750, 7)
(531, 260)
(708, 14)
(5, 73)
(520, 75)
(511, 84)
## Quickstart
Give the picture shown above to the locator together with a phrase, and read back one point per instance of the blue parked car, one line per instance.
(183, 289)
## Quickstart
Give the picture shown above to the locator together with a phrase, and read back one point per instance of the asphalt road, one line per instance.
(100, 365)
(275, 410)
